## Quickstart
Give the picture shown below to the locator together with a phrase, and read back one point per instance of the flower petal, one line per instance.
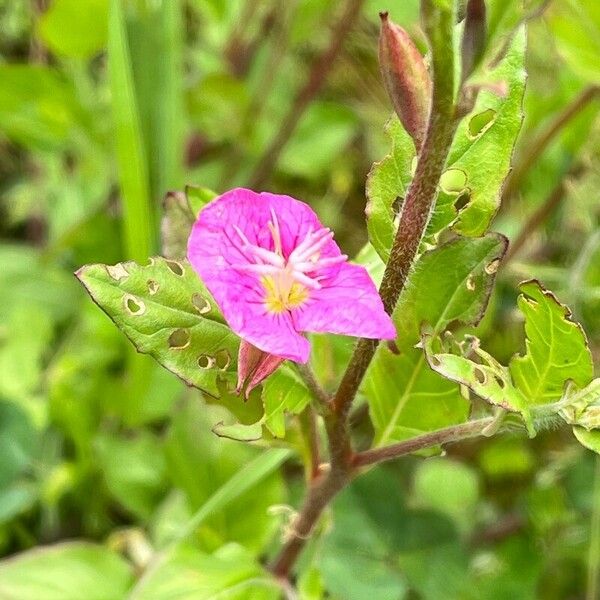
(216, 251)
(347, 304)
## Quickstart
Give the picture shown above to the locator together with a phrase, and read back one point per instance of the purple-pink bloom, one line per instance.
(276, 272)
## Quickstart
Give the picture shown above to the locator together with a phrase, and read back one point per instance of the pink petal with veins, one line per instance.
(348, 304)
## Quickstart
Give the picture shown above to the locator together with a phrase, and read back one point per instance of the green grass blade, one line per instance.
(138, 218)
(246, 478)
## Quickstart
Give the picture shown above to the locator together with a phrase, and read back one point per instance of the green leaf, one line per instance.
(477, 165)
(75, 29)
(18, 443)
(449, 284)
(556, 348)
(74, 570)
(387, 183)
(589, 439)
(488, 378)
(38, 107)
(134, 470)
(582, 407)
(231, 573)
(132, 159)
(483, 146)
(388, 528)
(26, 279)
(283, 392)
(556, 353)
(198, 198)
(310, 585)
(218, 478)
(22, 353)
(217, 104)
(165, 310)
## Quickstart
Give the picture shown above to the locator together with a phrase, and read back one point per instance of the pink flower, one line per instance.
(276, 272)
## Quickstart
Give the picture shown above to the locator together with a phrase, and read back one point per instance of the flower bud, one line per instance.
(405, 77)
(254, 366)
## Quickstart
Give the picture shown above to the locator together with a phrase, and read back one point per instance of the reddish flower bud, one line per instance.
(254, 366)
(406, 78)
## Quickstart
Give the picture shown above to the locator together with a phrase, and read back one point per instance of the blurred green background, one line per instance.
(105, 106)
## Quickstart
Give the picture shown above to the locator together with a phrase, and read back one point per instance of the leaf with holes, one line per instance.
(387, 183)
(556, 348)
(449, 284)
(557, 354)
(487, 378)
(483, 146)
(165, 310)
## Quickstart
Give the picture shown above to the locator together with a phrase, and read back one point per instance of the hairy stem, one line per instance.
(314, 387)
(438, 24)
(319, 495)
(318, 74)
(420, 196)
(427, 440)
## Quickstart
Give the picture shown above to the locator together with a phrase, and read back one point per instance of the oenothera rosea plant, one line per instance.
(249, 280)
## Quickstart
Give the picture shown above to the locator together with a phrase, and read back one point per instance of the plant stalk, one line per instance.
(447, 435)
(438, 25)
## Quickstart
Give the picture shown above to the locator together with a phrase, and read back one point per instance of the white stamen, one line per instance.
(304, 259)
(268, 256)
(309, 240)
(260, 269)
(321, 263)
(314, 248)
(305, 280)
(242, 235)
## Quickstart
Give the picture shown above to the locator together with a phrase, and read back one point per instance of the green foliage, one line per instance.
(71, 28)
(447, 487)
(37, 105)
(166, 312)
(387, 183)
(283, 392)
(230, 573)
(478, 163)
(556, 348)
(483, 146)
(105, 106)
(76, 570)
(557, 353)
(219, 478)
(449, 284)
(131, 149)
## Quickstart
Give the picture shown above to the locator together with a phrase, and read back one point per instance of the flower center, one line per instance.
(287, 281)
